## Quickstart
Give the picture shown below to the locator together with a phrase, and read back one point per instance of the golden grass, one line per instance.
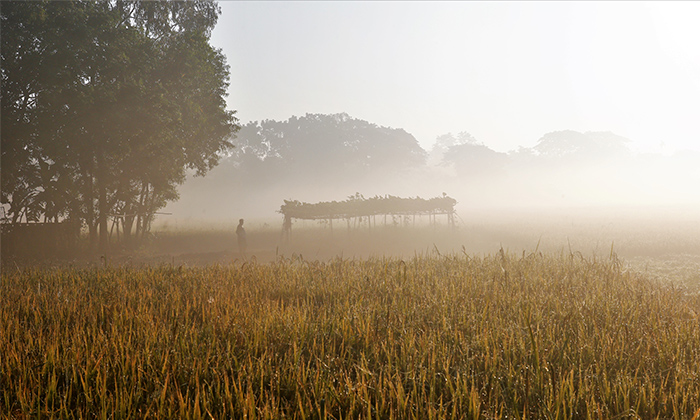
(435, 336)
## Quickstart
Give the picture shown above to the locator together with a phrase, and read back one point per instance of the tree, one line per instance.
(337, 147)
(570, 145)
(117, 99)
(475, 161)
(444, 142)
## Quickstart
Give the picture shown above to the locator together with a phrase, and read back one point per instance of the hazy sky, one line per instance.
(507, 72)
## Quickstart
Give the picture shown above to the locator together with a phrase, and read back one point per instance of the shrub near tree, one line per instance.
(112, 101)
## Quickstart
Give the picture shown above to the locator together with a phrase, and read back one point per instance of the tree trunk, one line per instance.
(141, 212)
(90, 208)
(102, 222)
(102, 203)
(128, 223)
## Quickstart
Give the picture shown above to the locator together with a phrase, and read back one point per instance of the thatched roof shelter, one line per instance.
(357, 207)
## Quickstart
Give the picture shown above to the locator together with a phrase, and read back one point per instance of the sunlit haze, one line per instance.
(349, 209)
(589, 77)
(507, 72)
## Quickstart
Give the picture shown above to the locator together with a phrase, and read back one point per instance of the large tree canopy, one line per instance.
(331, 147)
(568, 145)
(105, 105)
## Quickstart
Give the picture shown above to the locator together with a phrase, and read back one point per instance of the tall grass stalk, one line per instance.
(436, 336)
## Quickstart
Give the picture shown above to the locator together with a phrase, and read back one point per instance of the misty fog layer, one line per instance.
(330, 157)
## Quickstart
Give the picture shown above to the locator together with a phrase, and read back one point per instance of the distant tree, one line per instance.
(571, 145)
(473, 161)
(333, 146)
(444, 142)
(105, 105)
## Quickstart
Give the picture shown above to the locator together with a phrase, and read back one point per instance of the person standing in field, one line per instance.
(240, 233)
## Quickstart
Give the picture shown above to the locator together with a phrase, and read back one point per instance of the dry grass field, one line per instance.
(497, 321)
(434, 336)
(662, 243)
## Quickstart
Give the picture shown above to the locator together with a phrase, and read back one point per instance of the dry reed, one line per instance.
(435, 336)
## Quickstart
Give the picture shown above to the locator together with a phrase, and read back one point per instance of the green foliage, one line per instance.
(358, 206)
(452, 336)
(113, 101)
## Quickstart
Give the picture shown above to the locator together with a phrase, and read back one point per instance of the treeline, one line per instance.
(108, 106)
(318, 147)
(337, 147)
(319, 157)
(105, 106)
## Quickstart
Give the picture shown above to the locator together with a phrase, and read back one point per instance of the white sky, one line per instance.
(507, 72)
